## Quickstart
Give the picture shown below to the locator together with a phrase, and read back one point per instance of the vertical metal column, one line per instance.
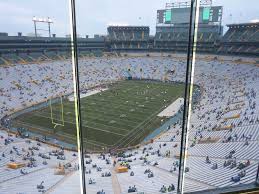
(77, 95)
(257, 176)
(187, 95)
(49, 29)
(35, 29)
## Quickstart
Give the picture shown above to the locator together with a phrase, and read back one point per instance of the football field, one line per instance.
(118, 117)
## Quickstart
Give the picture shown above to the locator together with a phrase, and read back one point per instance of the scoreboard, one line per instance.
(182, 15)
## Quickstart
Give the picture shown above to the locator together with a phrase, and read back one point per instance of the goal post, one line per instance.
(57, 121)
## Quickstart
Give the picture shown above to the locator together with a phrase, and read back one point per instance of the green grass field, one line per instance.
(118, 117)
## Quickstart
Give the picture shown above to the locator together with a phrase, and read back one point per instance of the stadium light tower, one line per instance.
(42, 20)
(182, 4)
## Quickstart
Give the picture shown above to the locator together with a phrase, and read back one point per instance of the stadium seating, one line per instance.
(240, 39)
(175, 38)
(128, 37)
(234, 86)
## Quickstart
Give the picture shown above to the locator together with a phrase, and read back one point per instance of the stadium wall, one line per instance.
(240, 39)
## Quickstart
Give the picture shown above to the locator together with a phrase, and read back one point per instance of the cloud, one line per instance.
(8, 8)
(93, 16)
(254, 21)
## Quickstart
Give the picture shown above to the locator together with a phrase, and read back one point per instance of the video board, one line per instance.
(182, 15)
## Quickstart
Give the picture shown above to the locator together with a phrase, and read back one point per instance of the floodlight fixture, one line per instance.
(47, 20)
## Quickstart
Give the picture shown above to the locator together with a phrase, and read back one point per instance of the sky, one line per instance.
(93, 16)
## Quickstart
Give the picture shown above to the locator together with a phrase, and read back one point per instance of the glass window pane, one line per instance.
(38, 144)
(223, 121)
(132, 92)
